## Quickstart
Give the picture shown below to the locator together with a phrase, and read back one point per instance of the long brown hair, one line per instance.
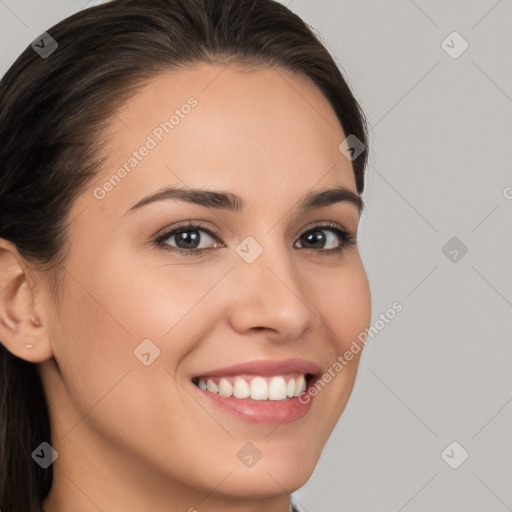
(51, 112)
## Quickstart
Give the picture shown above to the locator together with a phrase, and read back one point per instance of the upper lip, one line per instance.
(265, 367)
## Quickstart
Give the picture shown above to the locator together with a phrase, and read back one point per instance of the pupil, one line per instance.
(187, 239)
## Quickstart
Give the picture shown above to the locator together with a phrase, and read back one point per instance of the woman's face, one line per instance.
(141, 325)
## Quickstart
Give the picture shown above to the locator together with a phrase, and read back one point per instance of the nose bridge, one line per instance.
(269, 293)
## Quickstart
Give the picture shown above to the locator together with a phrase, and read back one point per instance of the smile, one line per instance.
(256, 387)
(259, 391)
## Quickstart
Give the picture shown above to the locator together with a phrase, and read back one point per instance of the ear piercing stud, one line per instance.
(30, 345)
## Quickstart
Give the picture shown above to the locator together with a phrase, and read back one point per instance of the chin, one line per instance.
(266, 482)
(278, 471)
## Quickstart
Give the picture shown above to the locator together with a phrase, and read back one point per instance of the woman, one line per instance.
(180, 194)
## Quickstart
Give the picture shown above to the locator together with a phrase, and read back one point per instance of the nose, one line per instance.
(269, 294)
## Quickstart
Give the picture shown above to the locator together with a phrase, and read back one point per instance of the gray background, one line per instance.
(439, 168)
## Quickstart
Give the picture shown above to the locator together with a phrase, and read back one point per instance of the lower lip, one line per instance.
(270, 412)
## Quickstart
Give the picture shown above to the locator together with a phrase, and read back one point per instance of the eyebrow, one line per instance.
(232, 202)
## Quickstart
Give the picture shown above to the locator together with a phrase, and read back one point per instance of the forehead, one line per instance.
(258, 132)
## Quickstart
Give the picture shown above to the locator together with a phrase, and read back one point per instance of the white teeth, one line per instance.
(225, 388)
(277, 389)
(211, 386)
(300, 385)
(256, 388)
(259, 389)
(290, 388)
(241, 388)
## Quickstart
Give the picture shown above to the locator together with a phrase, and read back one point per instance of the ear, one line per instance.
(22, 330)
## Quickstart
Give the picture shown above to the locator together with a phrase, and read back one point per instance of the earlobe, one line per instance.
(22, 330)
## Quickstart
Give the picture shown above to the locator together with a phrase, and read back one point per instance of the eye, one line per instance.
(327, 239)
(188, 239)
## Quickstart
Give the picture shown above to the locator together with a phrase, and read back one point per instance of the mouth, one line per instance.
(269, 392)
(256, 387)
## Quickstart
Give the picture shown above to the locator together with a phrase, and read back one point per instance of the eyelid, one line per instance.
(187, 225)
(325, 224)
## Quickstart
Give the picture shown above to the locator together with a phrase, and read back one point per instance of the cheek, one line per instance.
(343, 301)
(92, 343)
(344, 305)
(102, 320)
(116, 304)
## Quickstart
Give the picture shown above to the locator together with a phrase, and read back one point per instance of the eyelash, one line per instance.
(347, 238)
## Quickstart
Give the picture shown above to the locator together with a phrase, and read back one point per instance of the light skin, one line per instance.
(132, 437)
